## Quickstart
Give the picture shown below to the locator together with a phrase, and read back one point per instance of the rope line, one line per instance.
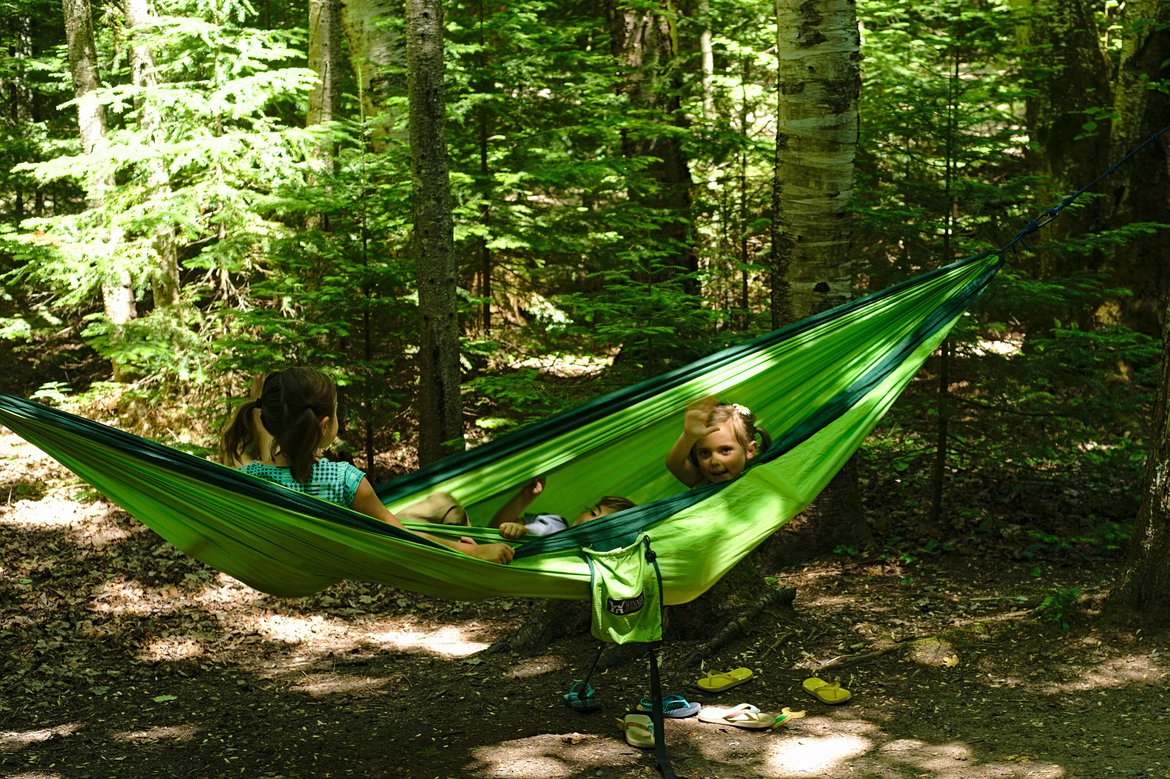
(1049, 214)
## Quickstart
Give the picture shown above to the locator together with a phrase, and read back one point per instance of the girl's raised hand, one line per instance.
(695, 420)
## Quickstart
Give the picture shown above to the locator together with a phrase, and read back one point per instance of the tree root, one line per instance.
(783, 596)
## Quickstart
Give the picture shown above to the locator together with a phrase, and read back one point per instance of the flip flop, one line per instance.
(581, 697)
(674, 706)
(639, 730)
(786, 716)
(825, 692)
(718, 681)
(745, 715)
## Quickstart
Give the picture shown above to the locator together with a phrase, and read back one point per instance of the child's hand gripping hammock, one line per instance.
(819, 385)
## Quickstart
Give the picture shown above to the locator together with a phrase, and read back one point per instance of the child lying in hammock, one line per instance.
(508, 518)
(717, 441)
(297, 419)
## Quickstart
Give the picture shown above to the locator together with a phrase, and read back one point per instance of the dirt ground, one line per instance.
(123, 658)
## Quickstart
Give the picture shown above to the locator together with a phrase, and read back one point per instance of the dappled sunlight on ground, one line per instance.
(49, 513)
(957, 761)
(172, 649)
(319, 685)
(531, 667)
(179, 733)
(447, 641)
(1124, 671)
(337, 635)
(815, 755)
(548, 756)
(227, 591)
(12, 740)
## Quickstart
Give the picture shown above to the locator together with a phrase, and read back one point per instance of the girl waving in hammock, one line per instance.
(298, 411)
(717, 442)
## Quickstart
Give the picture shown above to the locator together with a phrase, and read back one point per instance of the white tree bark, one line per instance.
(816, 140)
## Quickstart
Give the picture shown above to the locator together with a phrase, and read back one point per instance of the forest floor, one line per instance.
(120, 657)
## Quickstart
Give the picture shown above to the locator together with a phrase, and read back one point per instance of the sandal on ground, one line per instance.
(581, 697)
(785, 716)
(745, 715)
(638, 729)
(674, 706)
(718, 681)
(825, 692)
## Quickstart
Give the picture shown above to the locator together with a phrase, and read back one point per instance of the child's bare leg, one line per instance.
(438, 507)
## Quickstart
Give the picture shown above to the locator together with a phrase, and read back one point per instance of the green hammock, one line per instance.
(818, 386)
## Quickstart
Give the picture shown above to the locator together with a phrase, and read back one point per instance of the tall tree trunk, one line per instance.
(164, 276)
(818, 83)
(1143, 594)
(643, 42)
(440, 409)
(1138, 188)
(1061, 41)
(707, 60)
(117, 284)
(325, 60)
(15, 89)
(377, 56)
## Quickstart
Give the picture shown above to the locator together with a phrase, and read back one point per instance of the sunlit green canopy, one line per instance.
(819, 386)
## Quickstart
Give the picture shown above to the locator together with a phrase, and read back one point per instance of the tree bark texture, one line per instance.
(643, 41)
(440, 408)
(376, 54)
(1143, 594)
(325, 54)
(1062, 43)
(117, 284)
(816, 140)
(818, 52)
(1136, 192)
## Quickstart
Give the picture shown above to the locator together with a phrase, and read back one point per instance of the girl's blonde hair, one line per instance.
(742, 421)
(292, 404)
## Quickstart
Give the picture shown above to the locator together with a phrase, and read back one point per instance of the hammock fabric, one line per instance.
(818, 386)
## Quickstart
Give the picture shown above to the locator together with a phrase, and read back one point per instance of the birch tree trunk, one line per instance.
(376, 54)
(117, 284)
(439, 405)
(818, 54)
(819, 51)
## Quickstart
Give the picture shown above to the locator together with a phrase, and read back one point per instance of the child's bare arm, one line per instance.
(367, 502)
(511, 511)
(678, 460)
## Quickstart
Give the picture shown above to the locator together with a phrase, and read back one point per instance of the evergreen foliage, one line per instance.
(288, 257)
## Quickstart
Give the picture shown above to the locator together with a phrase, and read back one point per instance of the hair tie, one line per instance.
(741, 410)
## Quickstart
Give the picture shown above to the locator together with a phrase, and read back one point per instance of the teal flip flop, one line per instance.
(674, 706)
(581, 697)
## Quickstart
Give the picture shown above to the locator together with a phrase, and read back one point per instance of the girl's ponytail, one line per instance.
(292, 404)
(240, 437)
(299, 440)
